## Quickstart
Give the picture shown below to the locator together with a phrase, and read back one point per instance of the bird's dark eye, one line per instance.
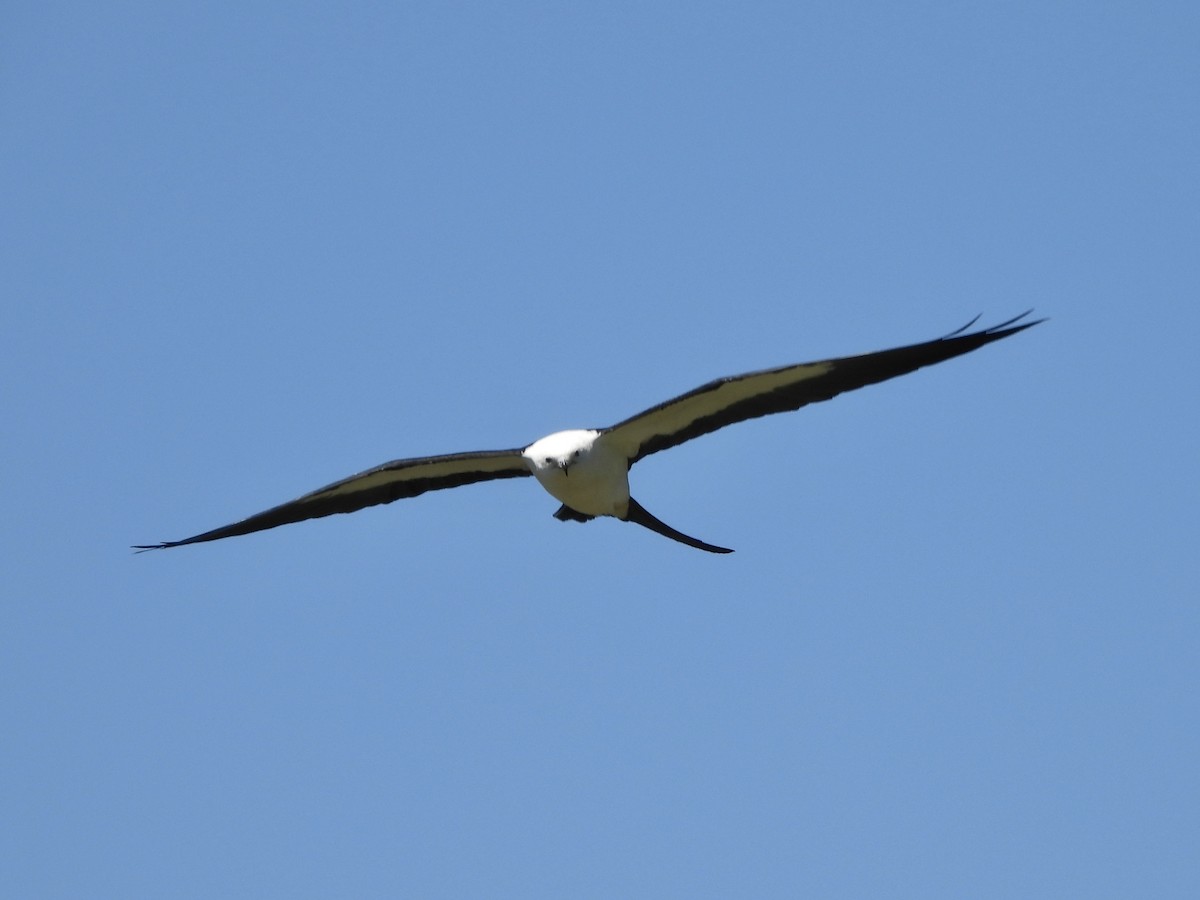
(577, 453)
(549, 460)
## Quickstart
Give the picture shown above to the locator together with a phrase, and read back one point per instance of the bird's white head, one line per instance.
(560, 451)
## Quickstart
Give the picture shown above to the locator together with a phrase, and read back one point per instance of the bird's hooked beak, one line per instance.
(565, 466)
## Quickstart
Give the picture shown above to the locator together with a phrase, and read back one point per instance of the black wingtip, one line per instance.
(166, 545)
(1011, 325)
(1002, 330)
(957, 331)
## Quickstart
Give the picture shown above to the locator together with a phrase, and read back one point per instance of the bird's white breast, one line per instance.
(580, 469)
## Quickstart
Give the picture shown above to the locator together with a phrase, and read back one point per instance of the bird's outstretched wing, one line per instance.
(391, 481)
(740, 397)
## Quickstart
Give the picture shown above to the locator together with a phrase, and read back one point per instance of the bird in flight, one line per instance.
(587, 470)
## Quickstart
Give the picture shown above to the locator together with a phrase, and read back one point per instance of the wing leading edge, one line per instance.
(396, 480)
(739, 397)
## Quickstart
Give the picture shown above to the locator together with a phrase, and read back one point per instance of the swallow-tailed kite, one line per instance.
(587, 470)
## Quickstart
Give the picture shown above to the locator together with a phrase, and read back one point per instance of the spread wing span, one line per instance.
(739, 397)
(394, 480)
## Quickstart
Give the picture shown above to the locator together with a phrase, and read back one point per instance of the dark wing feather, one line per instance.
(391, 481)
(740, 397)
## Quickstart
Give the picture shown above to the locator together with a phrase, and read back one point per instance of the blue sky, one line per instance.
(252, 248)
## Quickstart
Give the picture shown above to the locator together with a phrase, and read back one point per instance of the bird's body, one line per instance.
(587, 470)
(582, 470)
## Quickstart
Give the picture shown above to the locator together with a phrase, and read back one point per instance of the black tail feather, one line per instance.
(638, 515)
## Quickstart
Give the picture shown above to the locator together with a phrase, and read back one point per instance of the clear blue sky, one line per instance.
(251, 248)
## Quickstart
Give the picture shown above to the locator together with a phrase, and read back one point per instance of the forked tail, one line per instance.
(638, 515)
